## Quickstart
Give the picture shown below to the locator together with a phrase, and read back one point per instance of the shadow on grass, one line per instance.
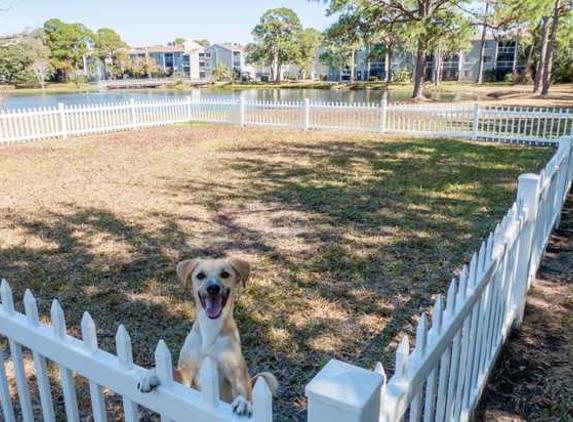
(352, 240)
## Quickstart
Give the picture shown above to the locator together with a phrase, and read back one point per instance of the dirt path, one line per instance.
(534, 377)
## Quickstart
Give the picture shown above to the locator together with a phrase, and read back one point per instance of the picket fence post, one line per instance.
(63, 124)
(527, 201)
(133, 114)
(189, 107)
(341, 392)
(383, 112)
(476, 121)
(242, 111)
(306, 115)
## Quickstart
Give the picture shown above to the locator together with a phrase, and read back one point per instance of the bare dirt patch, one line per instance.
(349, 235)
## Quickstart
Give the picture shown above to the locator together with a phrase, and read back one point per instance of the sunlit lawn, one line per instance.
(349, 235)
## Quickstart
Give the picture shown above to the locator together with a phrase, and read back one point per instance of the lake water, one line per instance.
(15, 100)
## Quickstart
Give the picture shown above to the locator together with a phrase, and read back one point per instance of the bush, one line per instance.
(508, 77)
(403, 75)
(373, 79)
(489, 76)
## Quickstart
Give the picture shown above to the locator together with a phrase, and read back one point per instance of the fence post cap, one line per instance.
(343, 385)
(529, 176)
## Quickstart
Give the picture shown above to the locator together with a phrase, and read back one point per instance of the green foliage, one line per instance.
(563, 67)
(308, 43)
(335, 55)
(179, 41)
(221, 72)
(26, 61)
(203, 42)
(141, 67)
(68, 43)
(278, 33)
(403, 75)
(113, 51)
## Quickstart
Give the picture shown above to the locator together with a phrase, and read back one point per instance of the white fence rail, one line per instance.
(440, 380)
(171, 400)
(467, 121)
(443, 377)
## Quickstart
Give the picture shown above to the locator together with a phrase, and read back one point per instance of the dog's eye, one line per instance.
(225, 274)
(200, 276)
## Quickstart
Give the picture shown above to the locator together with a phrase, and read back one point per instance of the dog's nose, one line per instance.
(213, 289)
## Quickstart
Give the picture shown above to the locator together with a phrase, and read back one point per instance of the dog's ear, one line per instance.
(185, 268)
(241, 267)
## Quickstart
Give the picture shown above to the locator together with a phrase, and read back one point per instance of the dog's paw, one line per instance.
(242, 407)
(147, 383)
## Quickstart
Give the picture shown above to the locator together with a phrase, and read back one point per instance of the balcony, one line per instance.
(504, 64)
(506, 50)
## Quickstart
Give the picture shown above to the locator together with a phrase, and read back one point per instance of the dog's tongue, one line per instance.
(213, 305)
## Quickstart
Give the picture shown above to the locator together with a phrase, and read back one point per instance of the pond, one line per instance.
(15, 100)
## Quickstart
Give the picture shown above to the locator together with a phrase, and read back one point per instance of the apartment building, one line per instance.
(500, 58)
(187, 59)
(232, 55)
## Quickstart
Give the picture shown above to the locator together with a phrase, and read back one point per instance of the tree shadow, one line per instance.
(349, 241)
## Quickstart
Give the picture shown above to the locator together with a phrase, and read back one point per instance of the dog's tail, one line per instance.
(270, 379)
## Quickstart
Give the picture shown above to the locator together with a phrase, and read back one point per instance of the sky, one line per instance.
(147, 22)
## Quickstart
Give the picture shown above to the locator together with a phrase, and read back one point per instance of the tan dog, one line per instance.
(215, 332)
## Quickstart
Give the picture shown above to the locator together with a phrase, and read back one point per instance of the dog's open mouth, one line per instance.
(213, 304)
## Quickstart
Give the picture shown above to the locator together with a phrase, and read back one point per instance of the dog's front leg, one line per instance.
(237, 375)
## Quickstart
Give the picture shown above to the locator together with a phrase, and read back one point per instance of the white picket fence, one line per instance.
(171, 400)
(471, 121)
(441, 379)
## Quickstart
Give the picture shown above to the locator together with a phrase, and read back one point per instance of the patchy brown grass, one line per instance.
(349, 235)
(533, 380)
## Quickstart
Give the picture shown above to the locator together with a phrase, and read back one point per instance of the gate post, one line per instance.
(242, 111)
(341, 392)
(383, 112)
(306, 116)
(476, 121)
(528, 201)
(63, 124)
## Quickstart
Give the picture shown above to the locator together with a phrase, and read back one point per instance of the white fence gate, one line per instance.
(464, 121)
(440, 380)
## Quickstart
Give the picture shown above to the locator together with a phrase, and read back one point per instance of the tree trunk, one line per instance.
(482, 47)
(527, 74)
(278, 75)
(352, 65)
(543, 51)
(389, 57)
(546, 80)
(419, 71)
(514, 72)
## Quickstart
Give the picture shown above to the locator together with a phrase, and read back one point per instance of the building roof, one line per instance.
(232, 46)
(159, 49)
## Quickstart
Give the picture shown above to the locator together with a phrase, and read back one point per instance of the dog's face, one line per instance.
(213, 281)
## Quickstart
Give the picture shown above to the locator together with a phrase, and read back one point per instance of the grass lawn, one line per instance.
(349, 235)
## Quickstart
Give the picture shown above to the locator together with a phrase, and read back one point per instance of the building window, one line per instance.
(486, 59)
(169, 60)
